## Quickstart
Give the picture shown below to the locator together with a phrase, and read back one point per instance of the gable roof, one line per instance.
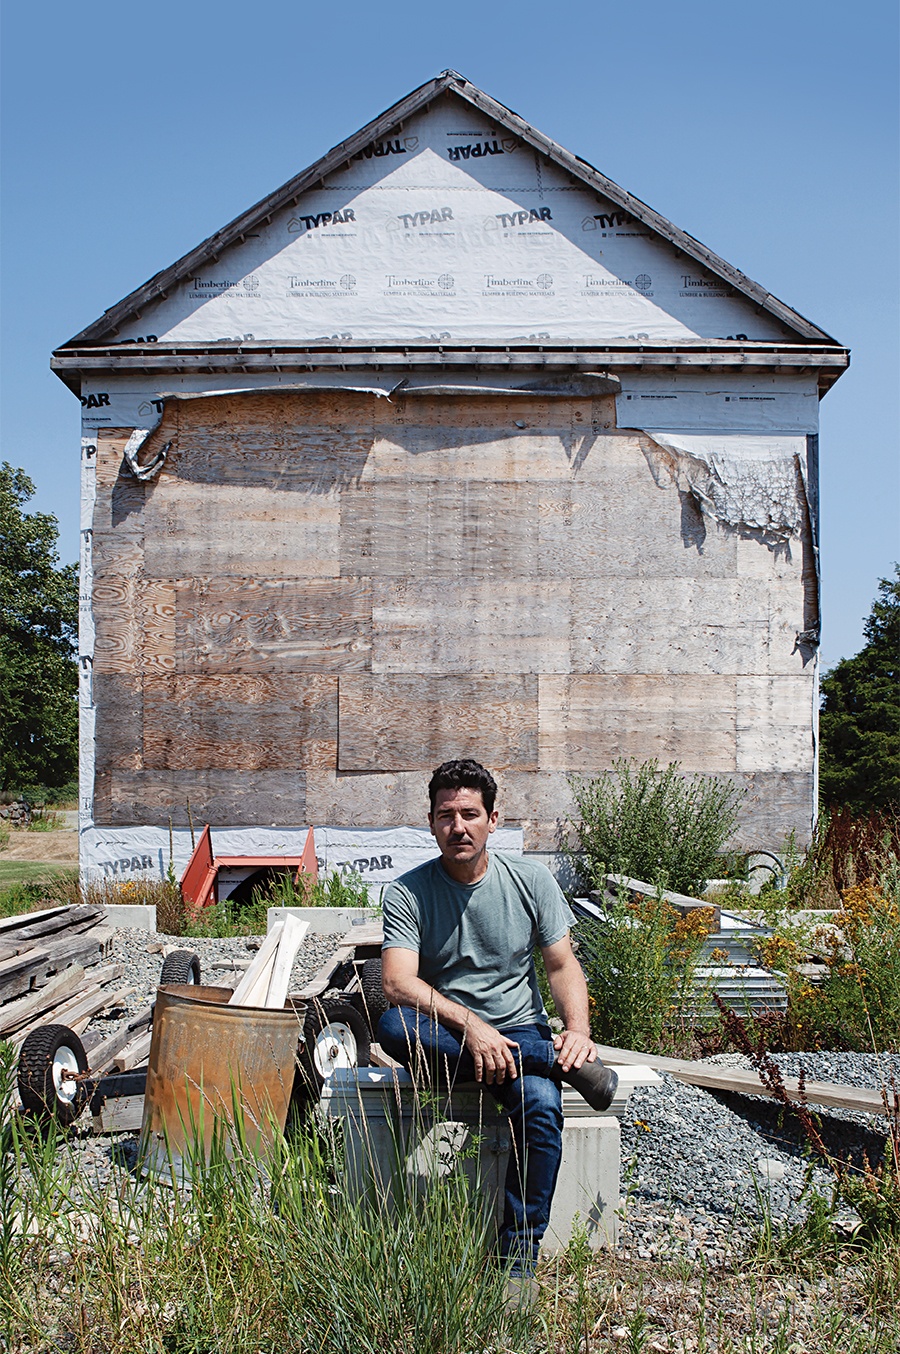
(159, 286)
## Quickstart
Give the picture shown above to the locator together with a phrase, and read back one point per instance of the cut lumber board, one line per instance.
(133, 1054)
(252, 989)
(17, 974)
(21, 972)
(713, 1078)
(102, 1055)
(367, 933)
(321, 979)
(73, 921)
(292, 937)
(16, 1013)
(119, 1114)
(88, 1000)
(9, 924)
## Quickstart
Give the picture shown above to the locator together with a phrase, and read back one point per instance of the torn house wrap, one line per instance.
(754, 484)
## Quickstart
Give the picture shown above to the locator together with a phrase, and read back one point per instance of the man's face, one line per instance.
(461, 825)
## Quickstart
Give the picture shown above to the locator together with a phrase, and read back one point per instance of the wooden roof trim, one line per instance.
(70, 365)
(162, 282)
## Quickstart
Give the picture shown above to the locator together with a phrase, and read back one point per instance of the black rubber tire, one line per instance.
(374, 1002)
(355, 1045)
(181, 966)
(44, 1054)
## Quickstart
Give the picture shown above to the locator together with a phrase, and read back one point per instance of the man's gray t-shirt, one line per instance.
(475, 942)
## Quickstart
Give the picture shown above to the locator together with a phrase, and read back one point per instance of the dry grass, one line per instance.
(616, 1303)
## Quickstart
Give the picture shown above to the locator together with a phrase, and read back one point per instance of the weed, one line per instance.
(252, 1252)
(334, 889)
(651, 823)
(871, 1191)
(639, 963)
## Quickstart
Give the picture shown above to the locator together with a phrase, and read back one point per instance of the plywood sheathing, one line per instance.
(322, 596)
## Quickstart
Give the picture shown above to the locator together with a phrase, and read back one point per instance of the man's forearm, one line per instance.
(570, 997)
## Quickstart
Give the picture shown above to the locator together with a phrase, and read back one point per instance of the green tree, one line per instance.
(860, 714)
(38, 626)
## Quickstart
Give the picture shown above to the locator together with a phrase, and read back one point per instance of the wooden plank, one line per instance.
(77, 918)
(18, 972)
(446, 528)
(133, 1054)
(82, 1007)
(86, 948)
(274, 625)
(15, 923)
(247, 723)
(102, 1054)
(715, 1078)
(508, 626)
(406, 721)
(248, 530)
(588, 720)
(280, 978)
(684, 627)
(217, 795)
(254, 984)
(119, 1114)
(118, 699)
(16, 1013)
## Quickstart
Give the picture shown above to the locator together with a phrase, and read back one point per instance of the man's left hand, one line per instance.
(573, 1049)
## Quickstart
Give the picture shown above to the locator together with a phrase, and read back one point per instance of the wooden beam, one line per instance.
(715, 1078)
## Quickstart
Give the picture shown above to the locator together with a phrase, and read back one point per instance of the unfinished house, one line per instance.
(448, 447)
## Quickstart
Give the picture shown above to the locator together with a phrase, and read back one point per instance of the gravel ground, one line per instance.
(699, 1168)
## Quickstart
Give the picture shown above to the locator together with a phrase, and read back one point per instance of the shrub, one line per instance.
(857, 1003)
(639, 964)
(652, 824)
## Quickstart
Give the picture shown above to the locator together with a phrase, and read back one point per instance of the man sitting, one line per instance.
(457, 964)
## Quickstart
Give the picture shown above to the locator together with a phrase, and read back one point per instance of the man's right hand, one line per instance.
(491, 1051)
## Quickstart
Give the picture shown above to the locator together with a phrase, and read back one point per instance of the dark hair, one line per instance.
(463, 773)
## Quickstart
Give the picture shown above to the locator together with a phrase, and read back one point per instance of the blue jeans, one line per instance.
(533, 1104)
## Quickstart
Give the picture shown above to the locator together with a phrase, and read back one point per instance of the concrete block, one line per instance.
(140, 916)
(324, 921)
(394, 1140)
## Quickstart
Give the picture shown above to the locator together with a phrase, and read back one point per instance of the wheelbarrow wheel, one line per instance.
(334, 1035)
(49, 1062)
(374, 1002)
(181, 966)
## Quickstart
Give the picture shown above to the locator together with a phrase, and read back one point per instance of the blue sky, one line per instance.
(768, 131)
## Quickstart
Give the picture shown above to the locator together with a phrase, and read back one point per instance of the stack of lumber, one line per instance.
(53, 970)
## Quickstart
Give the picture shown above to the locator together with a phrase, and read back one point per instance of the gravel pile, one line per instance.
(138, 951)
(700, 1169)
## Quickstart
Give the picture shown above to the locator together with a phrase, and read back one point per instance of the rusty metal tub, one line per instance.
(214, 1069)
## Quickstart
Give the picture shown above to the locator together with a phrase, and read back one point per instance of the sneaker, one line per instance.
(521, 1292)
(594, 1083)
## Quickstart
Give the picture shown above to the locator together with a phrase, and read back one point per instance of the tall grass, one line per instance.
(251, 1253)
